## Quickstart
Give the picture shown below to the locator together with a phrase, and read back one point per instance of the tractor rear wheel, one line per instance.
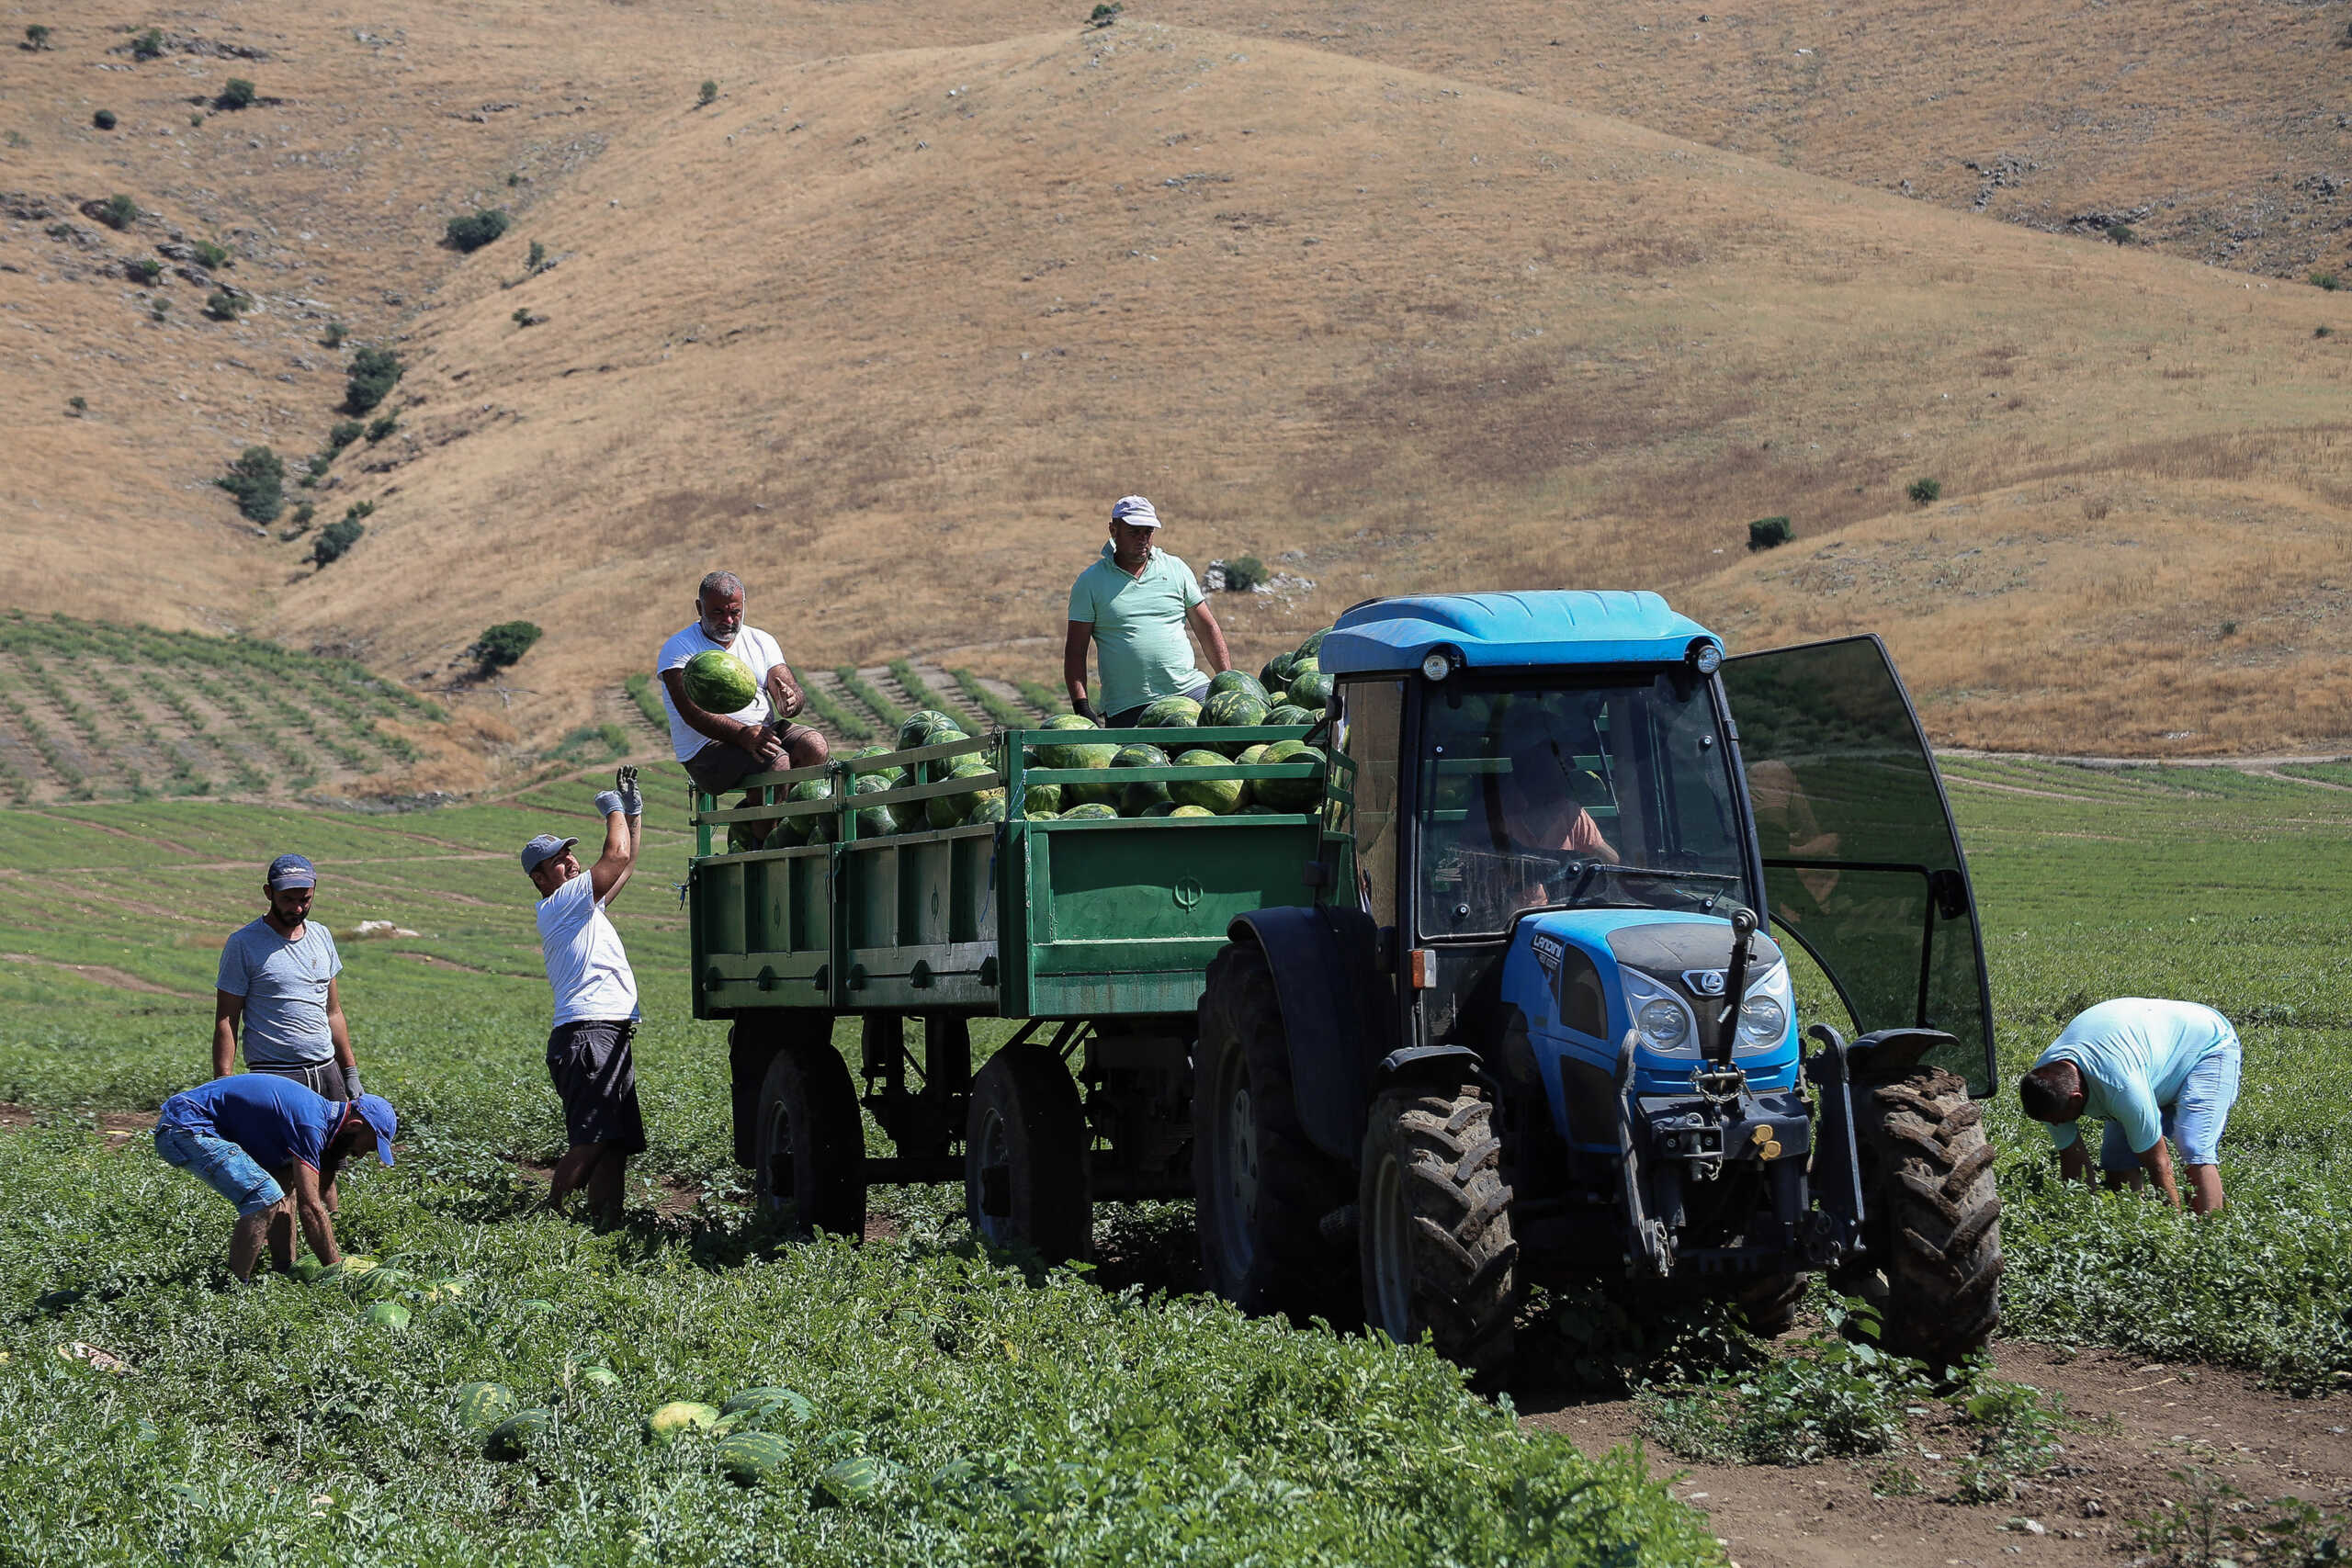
(1437, 1252)
(1260, 1187)
(811, 1166)
(1936, 1220)
(1024, 1156)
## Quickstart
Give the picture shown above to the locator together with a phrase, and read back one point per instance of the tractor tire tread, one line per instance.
(1464, 1254)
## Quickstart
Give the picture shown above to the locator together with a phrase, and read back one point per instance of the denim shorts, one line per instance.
(221, 1166)
(2194, 1121)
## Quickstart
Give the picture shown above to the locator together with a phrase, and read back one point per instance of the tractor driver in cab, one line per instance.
(1525, 824)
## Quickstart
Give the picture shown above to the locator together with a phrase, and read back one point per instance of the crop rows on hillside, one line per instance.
(856, 706)
(90, 711)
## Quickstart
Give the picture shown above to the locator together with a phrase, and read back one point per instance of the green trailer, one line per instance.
(829, 891)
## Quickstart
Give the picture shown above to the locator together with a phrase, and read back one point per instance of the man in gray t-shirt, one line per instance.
(276, 987)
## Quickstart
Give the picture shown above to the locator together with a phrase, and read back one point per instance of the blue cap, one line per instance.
(377, 1112)
(292, 871)
(543, 849)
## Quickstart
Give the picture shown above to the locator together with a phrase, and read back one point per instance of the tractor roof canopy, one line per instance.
(1508, 631)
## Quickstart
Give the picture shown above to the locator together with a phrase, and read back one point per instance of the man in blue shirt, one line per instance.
(252, 1136)
(1134, 604)
(2153, 1069)
(276, 987)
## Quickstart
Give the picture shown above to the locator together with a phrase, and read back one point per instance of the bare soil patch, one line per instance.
(115, 1124)
(2141, 1423)
(104, 974)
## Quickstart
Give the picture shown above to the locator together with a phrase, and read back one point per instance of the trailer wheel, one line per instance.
(1928, 1171)
(1437, 1252)
(811, 1169)
(1771, 1303)
(1260, 1189)
(1024, 1156)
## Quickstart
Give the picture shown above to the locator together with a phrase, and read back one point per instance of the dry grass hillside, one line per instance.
(887, 325)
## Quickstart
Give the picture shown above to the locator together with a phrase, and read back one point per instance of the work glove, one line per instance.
(632, 798)
(351, 1089)
(607, 802)
(1085, 710)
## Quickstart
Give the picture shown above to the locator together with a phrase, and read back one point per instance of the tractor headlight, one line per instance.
(1660, 1017)
(1764, 1013)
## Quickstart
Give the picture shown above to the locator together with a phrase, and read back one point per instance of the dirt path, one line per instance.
(2141, 1423)
(121, 980)
(115, 1125)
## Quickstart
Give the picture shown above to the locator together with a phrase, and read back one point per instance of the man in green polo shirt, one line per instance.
(1134, 604)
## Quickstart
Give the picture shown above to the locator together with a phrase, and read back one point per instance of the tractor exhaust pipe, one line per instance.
(1743, 928)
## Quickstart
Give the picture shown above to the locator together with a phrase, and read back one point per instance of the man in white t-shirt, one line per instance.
(595, 1002)
(718, 750)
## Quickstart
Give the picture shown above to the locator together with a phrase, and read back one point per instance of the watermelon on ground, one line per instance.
(855, 1480)
(518, 1434)
(916, 726)
(484, 1403)
(769, 1402)
(1225, 680)
(1311, 690)
(1289, 795)
(681, 1416)
(1092, 811)
(716, 682)
(1171, 713)
(745, 1457)
(387, 1315)
(1218, 796)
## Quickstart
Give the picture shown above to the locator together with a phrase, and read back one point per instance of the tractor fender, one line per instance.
(1449, 1064)
(1326, 984)
(1885, 1055)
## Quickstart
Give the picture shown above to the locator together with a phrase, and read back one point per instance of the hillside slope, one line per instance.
(888, 334)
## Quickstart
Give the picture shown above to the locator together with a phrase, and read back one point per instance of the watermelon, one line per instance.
(1290, 713)
(718, 682)
(1311, 690)
(1159, 808)
(1233, 710)
(1097, 754)
(1289, 795)
(1314, 643)
(854, 1480)
(893, 776)
(880, 822)
(744, 1457)
(946, 811)
(595, 1374)
(1092, 811)
(914, 730)
(1039, 813)
(484, 1403)
(990, 809)
(1225, 680)
(680, 1416)
(939, 769)
(1275, 673)
(1217, 796)
(1062, 755)
(309, 1271)
(743, 836)
(1143, 754)
(379, 1284)
(387, 1314)
(1251, 755)
(1137, 800)
(1171, 713)
(518, 1434)
(1047, 799)
(1192, 811)
(761, 1402)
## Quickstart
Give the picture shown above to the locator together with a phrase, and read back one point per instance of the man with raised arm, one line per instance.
(718, 750)
(595, 1002)
(271, 1147)
(1134, 605)
(2153, 1069)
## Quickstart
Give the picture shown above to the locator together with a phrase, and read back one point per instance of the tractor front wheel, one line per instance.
(1436, 1249)
(1936, 1220)
(811, 1166)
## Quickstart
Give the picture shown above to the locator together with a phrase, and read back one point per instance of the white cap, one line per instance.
(1135, 512)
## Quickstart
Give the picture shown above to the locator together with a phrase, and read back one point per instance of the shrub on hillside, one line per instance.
(374, 373)
(344, 432)
(212, 257)
(1924, 491)
(118, 212)
(2122, 233)
(334, 335)
(1769, 533)
(380, 428)
(503, 644)
(708, 95)
(300, 520)
(36, 38)
(235, 94)
(258, 481)
(104, 119)
(148, 45)
(80, 405)
(223, 306)
(2326, 280)
(145, 269)
(538, 258)
(335, 542)
(472, 233)
(1104, 14)
(1243, 573)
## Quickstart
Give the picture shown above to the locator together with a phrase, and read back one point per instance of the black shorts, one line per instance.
(719, 766)
(320, 1078)
(596, 1080)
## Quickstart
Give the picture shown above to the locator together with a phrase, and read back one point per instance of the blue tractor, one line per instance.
(1582, 874)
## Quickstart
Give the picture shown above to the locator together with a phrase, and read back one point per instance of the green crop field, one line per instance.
(1010, 1415)
(90, 712)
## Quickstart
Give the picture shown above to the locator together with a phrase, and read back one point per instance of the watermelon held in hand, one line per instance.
(1217, 796)
(679, 1417)
(518, 1434)
(484, 1403)
(1289, 795)
(1225, 680)
(745, 1457)
(719, 683)
(1171, 713)
(387, 1314)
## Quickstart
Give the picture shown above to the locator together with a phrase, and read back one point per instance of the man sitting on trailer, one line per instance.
(2153, 1069)
(1134, 604)
(718, 750)
(595, 1002)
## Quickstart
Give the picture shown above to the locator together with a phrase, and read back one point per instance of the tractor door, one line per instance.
(1862, 866)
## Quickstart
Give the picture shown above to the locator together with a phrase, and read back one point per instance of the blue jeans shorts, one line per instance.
(221, 1166)
(2194, 1121)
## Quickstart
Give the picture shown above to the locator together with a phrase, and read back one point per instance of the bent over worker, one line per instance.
(595, 1002)
(2154, 1069)
(252, 1137)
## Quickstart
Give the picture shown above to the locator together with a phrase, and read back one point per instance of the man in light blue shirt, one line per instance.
(276, 988)
(2153, 1069)
(1134, 604)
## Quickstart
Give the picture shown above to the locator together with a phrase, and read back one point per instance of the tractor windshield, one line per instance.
(1580, 795)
